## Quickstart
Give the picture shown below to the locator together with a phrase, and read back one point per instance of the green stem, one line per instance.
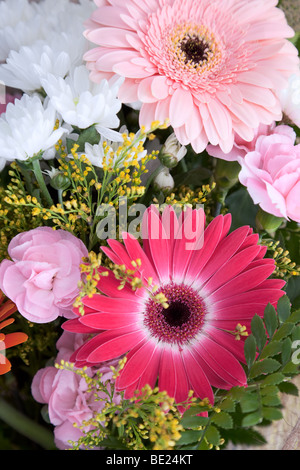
(26, 426)
(28, 182)
(60, 198)
(41, 182)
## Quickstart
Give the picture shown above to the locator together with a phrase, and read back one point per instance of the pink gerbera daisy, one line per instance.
(211, 67)
(212, 280)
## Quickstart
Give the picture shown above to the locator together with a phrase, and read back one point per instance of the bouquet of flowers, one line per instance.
(149, 222)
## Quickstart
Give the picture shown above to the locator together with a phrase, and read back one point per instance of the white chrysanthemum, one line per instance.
(82, 103)
(290, 99)
(26, 68)
(13, 11)
(27, 128)
(22, 24)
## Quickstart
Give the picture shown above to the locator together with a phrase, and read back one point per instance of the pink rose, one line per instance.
(271, 173)
(241, 146)
(66, 393)
(42, 278)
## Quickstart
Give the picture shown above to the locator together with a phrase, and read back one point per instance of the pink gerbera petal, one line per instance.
(212, 68)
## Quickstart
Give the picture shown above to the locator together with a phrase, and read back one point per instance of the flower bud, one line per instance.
(226, 173)
(164, 181)
(58, 180)
(172, 152)
(268, 222)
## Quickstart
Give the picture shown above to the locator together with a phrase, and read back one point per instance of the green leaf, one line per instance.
(295, 317)
(266, 366)
(283, 331)
(290, 368)
(249, 402)
(236, 393)
(89, 135)
(289, 388)
(270, 319)
(189, 437)
(195, 410)
(293, 291)
(223, 420)
(258, 331)
(269, 390)
(271, 349)
(271, 414)
(273, 379)
(213, 435)
(242, 208)
(227, 405)
(252, 419)
(193, 422)
(271, 400)
(250, 350)
(283, 308)
(286, 351)
(192, 177)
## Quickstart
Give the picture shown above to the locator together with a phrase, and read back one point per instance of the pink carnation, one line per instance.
(241, 146)
(271, 174)
(43, 274)
(211, 67)
(66, 395)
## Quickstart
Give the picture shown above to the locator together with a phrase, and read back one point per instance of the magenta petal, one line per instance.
(136, 252)
(212, 235)
(108, 321)
(231, 268)
(245, 281)
(196, 376)
(222, 362)
(182, 388)
(167, 380)
(228, 341)
(82, 353)
(109, 305)
(189, 239)
(121, 252)
(238, 312)
(113, 345)
(136, 365)
(263, 293)
(75, 326)
(159, 243)
(150, 374)
(109, 285)
(130, 390)
(225, 250)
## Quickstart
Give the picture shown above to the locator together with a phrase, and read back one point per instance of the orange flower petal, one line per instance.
(7, 309)
(5, 365)
(12, 339)
(7, 322)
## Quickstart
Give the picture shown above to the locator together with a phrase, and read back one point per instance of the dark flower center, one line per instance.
(181, 320)
(196, 50)
(177, 313)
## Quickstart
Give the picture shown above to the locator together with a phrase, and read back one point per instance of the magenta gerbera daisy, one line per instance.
(211, 281)
(211, 67)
